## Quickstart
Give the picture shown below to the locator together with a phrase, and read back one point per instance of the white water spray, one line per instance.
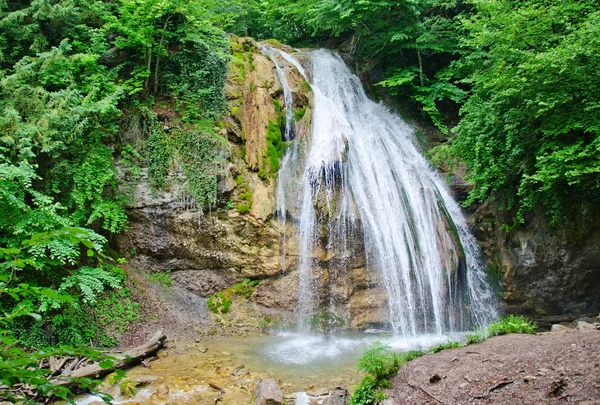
(361, 172)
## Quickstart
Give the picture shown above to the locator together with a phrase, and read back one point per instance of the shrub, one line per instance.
(476, 336)
(218, 304)
(379, 363)
(512, 324)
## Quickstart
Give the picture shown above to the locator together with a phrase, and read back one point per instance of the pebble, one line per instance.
(529, 378)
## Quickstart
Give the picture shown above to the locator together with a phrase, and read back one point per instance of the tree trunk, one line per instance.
(420, 67)
(162, 38)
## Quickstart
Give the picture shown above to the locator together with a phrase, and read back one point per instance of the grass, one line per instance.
(451, 344)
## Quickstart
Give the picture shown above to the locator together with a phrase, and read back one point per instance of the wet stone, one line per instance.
(267, 392)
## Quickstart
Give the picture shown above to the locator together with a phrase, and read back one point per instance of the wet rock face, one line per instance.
(547, 273)
(209, 252)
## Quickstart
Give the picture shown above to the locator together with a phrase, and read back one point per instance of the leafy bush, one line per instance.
(512, 324)
(477, 336)
(379, 363)
(218, 304)
(529, 130)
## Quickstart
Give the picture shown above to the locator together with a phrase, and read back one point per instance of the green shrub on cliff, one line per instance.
(218, 304)
(221, 301)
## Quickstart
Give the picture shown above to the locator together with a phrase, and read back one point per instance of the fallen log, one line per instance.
(121, 360)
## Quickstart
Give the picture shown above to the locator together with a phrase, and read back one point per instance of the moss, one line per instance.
(247, 196)
(273, 158)
(251, 61)
(220, 303)
(274, 149)
(306, 86)
(274, 43)
(277, 105)
(299, 114)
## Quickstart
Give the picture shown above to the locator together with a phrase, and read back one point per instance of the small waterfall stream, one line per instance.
(361, 175)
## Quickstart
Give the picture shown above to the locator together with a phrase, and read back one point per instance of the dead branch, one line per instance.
(487, 392)
(78, 369)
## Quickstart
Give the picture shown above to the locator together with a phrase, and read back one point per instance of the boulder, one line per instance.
(558, 328)
(582, 326)
(267, 392)
(339, 396)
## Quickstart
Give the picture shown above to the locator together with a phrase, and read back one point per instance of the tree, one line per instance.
(530, 129)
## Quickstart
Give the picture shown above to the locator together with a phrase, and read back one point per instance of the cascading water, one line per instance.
(360, 173)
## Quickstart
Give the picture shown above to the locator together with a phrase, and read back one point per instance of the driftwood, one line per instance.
(79, 369)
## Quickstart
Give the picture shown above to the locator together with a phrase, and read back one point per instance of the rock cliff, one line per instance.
(213, 252)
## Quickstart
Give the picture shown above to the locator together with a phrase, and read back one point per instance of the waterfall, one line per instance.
(361, 175)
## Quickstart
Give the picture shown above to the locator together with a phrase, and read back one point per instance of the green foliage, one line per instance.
(221, 301)
(243, 208)
(378, 361)
(512, 324)
(218, 304)
(299, 113)
(159, 154)
(326, 322)
(196, 77)
(245, 195)
(530, 131)
(27, 308)
(244, 289)
(163, 279)
(199, 151)
(443, 158)
(475, 337)
(450, 344)
(379, 364)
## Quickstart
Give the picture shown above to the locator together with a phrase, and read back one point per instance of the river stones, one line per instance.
(267, 392)
(339, 396)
